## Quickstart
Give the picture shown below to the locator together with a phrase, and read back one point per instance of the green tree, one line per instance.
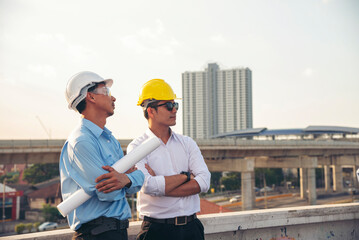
(319, 177)
(232, 181)
(11, 177)
(41, 172)
(272, 175)
(36, 226)
(28, 226)
(19, 228)
(216, 180)
(50, 214)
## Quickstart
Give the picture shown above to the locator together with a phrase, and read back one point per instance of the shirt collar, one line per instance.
(96, 130)
(151, 134)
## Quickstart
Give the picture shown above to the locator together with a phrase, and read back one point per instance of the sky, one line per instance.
(304, 57)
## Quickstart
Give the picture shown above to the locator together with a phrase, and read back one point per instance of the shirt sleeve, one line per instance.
(197, 166)
(87, 166)
(137, 179)
(153, 185)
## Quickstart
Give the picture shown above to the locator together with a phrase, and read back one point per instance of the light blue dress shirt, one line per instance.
(87, 149)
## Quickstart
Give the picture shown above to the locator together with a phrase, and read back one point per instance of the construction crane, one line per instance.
(48, 132)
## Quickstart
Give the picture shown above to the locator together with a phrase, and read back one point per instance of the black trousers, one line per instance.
(102, 228)
(109, 235)
(161, 231)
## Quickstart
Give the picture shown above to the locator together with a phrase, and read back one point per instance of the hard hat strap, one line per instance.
(146, 102)
(82, 95)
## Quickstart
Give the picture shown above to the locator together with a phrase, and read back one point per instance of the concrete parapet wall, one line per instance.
(337, 221)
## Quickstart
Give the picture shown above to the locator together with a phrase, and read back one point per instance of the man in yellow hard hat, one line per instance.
(174, 173)
(85, 163)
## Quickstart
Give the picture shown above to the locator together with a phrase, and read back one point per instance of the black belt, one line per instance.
(183, 220)
(103, 224)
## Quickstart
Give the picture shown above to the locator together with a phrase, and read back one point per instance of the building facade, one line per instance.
(216, 101)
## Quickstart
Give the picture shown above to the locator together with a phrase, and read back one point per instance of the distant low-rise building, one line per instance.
(11, 203)
(46, 193)
(208, 207)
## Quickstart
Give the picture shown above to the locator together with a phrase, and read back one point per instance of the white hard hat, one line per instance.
(77, 86)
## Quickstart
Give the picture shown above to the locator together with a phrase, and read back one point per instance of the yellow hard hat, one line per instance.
(156, 89)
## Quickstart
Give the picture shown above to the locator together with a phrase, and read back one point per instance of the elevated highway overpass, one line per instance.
(48, 151)
(230, 154)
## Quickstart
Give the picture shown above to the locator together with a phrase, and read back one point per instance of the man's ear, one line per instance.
(150, 112)
(90, 97)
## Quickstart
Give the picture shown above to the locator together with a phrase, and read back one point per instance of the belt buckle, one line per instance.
(180, 224)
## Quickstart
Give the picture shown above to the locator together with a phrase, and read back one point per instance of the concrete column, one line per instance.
(337, 178)
(247, 189)
(355, 178)
(312, 195)
(253, 191)
(247, 183)
(303, 182)
(327, 177)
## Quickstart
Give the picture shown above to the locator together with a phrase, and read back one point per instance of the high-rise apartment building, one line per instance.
(216, 101)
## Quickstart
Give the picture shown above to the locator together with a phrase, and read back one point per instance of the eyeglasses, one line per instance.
(102, 90)
(169, 105)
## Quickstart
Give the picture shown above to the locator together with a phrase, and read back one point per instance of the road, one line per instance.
(290, 200)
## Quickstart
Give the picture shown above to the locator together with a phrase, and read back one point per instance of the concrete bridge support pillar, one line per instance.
(247, 176)
(312, 194)
(355, 178)
(327, 177)
(337, 178)
(253, 190)
(303, 182)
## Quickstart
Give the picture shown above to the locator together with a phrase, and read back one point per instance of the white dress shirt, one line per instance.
(181, 153)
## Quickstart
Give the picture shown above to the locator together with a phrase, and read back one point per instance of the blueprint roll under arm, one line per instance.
(121, 166)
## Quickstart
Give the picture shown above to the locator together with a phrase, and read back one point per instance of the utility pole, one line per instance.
(3, 202)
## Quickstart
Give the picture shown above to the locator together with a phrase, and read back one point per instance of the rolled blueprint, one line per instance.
(121, 166)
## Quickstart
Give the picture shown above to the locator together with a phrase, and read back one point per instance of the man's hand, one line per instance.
(150, 170)
(132, 169)
(112, 180)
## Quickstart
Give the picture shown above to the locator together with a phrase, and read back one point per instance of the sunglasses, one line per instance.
(169, 105)
(103, 90)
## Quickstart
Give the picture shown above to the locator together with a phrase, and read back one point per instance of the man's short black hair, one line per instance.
(151, 105)
(82, 105)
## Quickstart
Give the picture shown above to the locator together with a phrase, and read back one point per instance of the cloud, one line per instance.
(218, 39)
(46, 46)
(308, 72)
(59, 45)
(46, 71)
(80, 53)
(151, 40)
(45, 37)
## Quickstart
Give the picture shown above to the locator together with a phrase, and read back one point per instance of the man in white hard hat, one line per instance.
(174, 173)
(85, 163)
